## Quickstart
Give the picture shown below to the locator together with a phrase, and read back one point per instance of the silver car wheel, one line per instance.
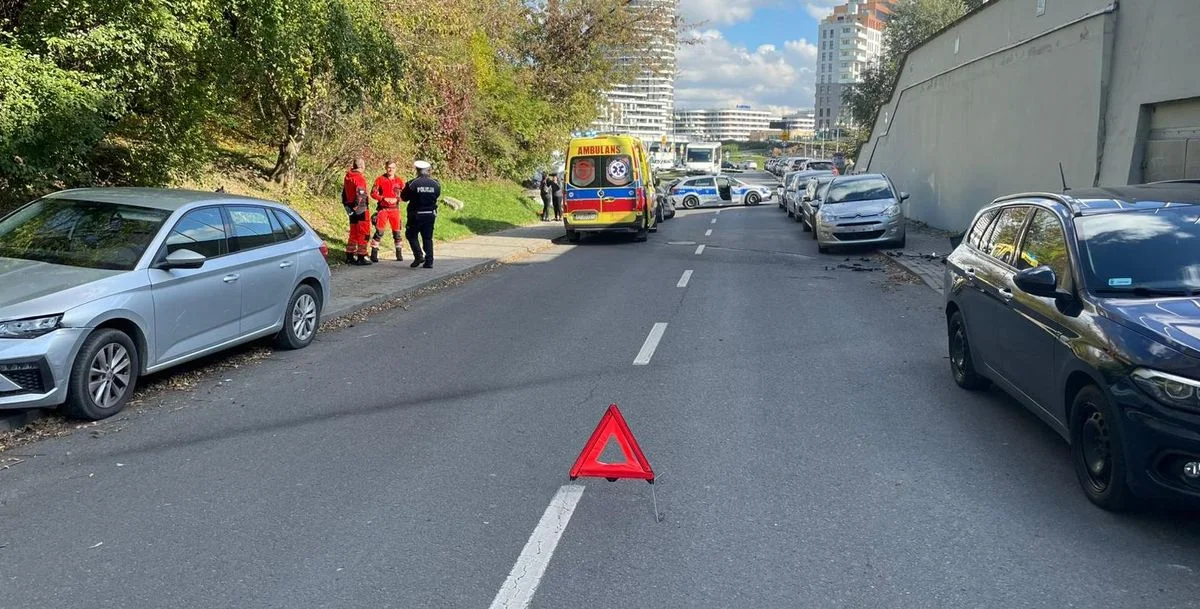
(108, 375)
(304, 317)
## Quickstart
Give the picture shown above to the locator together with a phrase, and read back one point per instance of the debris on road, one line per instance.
(96, 546)
(932, 256)
(857, 267)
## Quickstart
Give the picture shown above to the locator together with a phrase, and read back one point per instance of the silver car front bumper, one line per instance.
(35, 371)
(869, 231)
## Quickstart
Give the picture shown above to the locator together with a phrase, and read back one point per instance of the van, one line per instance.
(609, 187)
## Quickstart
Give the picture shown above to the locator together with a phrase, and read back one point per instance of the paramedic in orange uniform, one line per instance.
(386, 192)
(354, 199)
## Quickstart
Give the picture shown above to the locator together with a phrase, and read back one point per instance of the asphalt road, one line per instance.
(812, 451)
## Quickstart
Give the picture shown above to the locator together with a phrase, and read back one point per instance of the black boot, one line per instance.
(374, 254)
(362, 261)
(349, 258)
(399, 255)
(416, 263)
(428, 264)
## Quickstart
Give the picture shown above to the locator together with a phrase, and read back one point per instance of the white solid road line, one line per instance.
(699, 249)
(708, 233)
(683, 281)
(714, 221)
(517, 591)
(648, 347)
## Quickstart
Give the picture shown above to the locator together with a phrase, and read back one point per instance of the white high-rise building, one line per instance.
(643, 108)
(723, 124)
(849, 40)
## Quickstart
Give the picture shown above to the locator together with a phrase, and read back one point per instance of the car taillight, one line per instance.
(324, 249)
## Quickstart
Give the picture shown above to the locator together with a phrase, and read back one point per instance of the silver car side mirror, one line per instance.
(182, 259)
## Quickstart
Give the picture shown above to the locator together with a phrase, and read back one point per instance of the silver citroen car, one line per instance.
(100, 286)
(862, 209)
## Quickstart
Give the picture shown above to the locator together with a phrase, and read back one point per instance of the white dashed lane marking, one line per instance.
(648, 347)
(683, 281)
(517, 591)
(699, 249)
(708, 233)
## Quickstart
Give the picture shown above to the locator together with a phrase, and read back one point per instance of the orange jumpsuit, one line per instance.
(387, 214)
(354, 198)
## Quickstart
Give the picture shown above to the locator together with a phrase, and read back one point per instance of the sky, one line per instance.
(762, 53)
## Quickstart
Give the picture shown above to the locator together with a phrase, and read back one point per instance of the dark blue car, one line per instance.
(1085, 307)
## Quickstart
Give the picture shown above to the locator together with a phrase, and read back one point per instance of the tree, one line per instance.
(151, 60)
(915, 21)
(912, 23)
(283, 54)
(864, 98)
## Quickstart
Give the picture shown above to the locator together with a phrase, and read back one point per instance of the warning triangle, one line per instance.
(612, 427)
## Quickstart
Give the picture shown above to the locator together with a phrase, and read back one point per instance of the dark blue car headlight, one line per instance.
(29, 328)
(1169, 389)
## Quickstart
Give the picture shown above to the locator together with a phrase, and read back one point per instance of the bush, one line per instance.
(51, 121)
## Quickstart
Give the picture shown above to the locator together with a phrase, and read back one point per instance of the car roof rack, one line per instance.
(1057, 197)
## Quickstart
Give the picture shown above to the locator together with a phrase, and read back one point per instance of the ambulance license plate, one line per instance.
(584, 215)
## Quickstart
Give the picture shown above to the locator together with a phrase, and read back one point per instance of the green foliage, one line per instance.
(282, 56)
(51, 121)
(863, 99)
(156, 92)
(153, 61)
(912, 23)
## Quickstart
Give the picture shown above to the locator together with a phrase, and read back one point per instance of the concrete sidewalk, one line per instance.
(356, 288)
(924, 253)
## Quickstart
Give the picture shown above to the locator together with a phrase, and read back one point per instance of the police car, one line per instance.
(717, 190)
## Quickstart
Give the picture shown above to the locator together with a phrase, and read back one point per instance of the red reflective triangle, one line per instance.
(612, 425)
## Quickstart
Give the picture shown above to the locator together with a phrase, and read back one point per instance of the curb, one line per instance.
(18, 419)
(933, 281)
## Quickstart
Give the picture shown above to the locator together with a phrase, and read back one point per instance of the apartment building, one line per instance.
(644, 107)
(849, 39)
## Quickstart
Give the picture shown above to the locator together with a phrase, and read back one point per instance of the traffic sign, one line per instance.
(612, 426)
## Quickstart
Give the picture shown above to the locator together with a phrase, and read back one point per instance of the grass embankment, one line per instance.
(488, 206)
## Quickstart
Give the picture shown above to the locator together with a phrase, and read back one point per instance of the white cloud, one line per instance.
(717, 73)
(820, 9)
(720, 12)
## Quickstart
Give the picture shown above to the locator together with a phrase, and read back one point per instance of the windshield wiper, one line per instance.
(1149, 292)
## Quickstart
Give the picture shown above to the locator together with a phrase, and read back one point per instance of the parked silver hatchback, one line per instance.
(863, 209)
(100, 286)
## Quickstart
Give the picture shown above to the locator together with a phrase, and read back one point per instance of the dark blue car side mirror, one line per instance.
(1039, 281)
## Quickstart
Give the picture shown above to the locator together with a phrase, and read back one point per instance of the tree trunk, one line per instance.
(289, 149)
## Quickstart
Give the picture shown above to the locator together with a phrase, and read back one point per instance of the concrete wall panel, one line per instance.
(992, 104)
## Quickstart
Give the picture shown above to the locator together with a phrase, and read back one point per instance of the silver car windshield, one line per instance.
(862, 189)
(88, 234)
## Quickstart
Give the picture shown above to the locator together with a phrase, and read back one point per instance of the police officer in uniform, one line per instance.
(422, 194)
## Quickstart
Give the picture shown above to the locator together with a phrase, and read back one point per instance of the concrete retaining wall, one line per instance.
(994, 103)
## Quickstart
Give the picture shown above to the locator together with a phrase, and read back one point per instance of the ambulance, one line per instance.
(609, 187)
